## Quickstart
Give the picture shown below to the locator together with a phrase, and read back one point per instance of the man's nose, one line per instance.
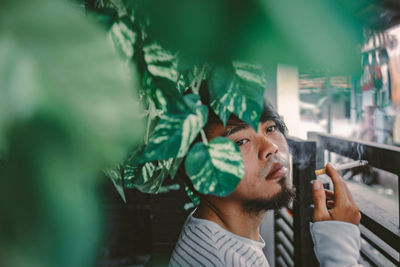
(267, 148)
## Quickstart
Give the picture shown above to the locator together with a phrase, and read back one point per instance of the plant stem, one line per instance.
(199, 79)
(204, 137)
(146, 140)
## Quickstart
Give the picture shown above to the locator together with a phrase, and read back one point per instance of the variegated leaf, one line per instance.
(237, 89)
(163, 93)
(216, 168)
(185, 80)
(115, 176)
(160, 62)
(172, 170)
(153, 184)
(161, 78)
(147, 177)
(169, 188)
(123, 37)
(175, 132)
(169, 101)
(193, 197)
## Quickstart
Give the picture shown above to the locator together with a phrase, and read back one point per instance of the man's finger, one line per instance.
(320, 210)
(349, 196)
(331, 204)
(339, 186)
(329, 194)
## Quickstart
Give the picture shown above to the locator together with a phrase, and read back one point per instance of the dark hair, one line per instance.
(269, 113)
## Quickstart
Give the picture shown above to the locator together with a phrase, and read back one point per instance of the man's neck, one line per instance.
(231, 216)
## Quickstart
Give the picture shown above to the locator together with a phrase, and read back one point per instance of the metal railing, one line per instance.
(284, 238)
(379, 228)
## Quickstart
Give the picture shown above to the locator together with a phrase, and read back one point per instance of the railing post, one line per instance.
(304, 163)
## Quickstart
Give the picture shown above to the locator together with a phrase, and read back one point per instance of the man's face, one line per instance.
(265, 155)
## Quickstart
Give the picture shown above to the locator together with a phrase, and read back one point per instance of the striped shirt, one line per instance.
(205, 243)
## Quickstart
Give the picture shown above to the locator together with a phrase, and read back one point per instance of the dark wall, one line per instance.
(143, 231)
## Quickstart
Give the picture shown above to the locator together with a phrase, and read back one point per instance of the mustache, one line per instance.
(279, 158)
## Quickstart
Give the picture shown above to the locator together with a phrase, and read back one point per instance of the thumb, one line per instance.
(320, 210)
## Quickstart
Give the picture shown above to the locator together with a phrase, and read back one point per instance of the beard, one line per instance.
(277, 201)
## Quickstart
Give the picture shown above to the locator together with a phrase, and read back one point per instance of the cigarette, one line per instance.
(344, 166)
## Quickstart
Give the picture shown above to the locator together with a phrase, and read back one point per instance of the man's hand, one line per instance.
(341, 203)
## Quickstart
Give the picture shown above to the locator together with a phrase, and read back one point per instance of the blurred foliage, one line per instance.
(303, 33)
(177, 45)
(68, 109)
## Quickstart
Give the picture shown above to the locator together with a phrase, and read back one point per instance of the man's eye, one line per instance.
(272, 128)
(241, 142)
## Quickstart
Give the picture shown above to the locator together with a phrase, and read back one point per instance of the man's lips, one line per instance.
(277, 172)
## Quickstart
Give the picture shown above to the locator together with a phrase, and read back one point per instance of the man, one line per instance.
(225, 231)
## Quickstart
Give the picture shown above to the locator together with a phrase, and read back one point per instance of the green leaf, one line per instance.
(115, 176)
(104, 16)
(216, 168)
(61, 75)
(172, 170)
(169, 188)
(193, 197)
(144, 177)
(123, 37)
(169, 100)
(160, 78)
(67, 111)
(313, 33)
(120, 7)
(305, 32)
(175, 132)
(185, 80)
(147, 177)
(160, 62)
(237, 89)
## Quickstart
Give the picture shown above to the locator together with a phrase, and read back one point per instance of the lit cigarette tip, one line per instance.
(343, 166)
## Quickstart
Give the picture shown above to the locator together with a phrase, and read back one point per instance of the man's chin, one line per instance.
(280, 199)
